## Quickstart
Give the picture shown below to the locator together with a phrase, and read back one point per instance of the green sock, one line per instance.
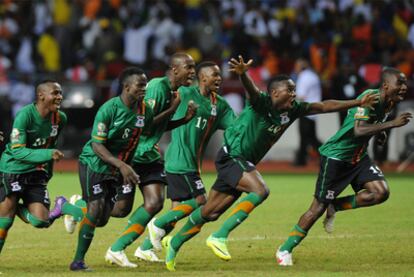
(345, 203)
(80, 203)
(136, 226)
(73, 210)
(86, 232)
(189, 230)
(295, 237)
(147, 245)
(172, 216)
(33, 220)
(5, 224)
(239, 214)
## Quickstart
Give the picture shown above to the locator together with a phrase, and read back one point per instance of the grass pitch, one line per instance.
(375, 241)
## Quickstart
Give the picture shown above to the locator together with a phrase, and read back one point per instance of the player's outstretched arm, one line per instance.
(240, 68)
(363, 128)
(327, 106)
(129, 175)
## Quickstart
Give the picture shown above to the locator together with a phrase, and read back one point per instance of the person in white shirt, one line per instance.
(308, 89)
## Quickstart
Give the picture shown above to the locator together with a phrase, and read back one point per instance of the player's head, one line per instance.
(49, 94)
(182, 67)
(209, 76)
(393, 84)
(282, 91)
(133, 83)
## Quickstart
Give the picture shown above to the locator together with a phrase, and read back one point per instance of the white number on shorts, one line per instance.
(199, 184)
(375, 170)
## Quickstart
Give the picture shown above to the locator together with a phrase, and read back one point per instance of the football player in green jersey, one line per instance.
(162, 94)
(26, 165)
(344, 161)
(264, 119)
(108, 181)
(185, 152)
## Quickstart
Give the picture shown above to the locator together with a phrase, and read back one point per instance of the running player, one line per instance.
(259, 126)
(162, 95)
(185, 152)
(26, 165)
(108, 181)
(344, 161)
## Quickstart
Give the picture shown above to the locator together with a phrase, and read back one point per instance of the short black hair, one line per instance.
(125, 74)
(202, 65)
(178, 57)
(275, 80)
(41, 83)
(387, 72)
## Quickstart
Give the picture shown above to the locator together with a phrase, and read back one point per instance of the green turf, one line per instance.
(374, 241)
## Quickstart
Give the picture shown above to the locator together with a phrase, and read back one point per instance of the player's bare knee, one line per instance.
(153, 206)
(101, 222)
(383, 195)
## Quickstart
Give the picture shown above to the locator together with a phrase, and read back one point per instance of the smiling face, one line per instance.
(283, 94)
(184, 70)
(210, 78)
(49, 95)
(396, 87)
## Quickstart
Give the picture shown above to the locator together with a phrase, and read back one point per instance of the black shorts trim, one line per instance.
(151, 173)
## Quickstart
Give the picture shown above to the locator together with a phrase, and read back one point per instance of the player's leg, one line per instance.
(96, 192)
(217, 204)
(187, 192)
(333, 178)
(370, 187)
(69, 220)
(8, 206)
(153, 195)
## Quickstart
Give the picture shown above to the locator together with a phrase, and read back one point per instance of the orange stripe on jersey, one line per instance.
(99, 138)
(357, 154)
(134, 228)
(18, 145)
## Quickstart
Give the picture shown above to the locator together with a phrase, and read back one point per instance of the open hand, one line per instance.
(239, 66)
(57, 155)
(369, 100)
(129, 175)
(402, 119)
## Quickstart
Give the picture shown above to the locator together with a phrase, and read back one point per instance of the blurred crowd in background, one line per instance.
(347, 42)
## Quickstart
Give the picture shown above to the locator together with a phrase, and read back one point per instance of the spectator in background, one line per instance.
(346, 85)
(21, 94)
(49, 51)
(308, 89)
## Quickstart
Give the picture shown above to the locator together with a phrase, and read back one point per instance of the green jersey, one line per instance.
(32, 141)
(189, 141)
(119, 128)
(258, 127)
(344, 145)
(158, 96)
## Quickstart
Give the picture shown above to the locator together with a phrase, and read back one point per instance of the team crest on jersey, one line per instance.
(284, 118)
(54, 131)
(360, 112)
(101, 129)
(140, 121)
(15, 135)
(213, 110)
(151, 102)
